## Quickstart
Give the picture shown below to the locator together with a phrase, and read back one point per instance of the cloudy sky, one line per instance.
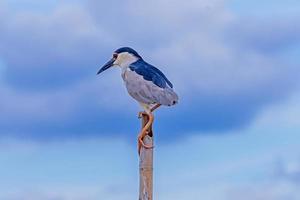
(67, 134)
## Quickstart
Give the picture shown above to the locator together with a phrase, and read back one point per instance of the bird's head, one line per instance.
(122, 57)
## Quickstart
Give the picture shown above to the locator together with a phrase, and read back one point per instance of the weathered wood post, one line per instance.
(146, 165)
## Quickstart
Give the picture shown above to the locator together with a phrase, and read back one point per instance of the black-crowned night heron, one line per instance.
(145, 83)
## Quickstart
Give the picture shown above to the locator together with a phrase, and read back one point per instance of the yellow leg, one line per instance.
(155, 107)
(144, 131)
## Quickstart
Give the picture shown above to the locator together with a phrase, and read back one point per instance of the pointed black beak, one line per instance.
(107, 65)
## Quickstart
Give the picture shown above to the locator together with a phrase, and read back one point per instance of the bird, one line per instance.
(145, 83)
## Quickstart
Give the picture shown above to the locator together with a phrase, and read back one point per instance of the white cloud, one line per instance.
(268, 191)
(51, 56)
(285, 115)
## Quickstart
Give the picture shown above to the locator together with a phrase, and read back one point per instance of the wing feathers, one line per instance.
(150, 73)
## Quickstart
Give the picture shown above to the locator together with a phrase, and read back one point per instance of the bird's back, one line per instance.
(150, 73)
(149, 85)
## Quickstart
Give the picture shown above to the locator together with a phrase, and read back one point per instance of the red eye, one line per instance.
(115, 55)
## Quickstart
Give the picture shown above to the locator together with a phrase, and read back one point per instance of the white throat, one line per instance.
(125, 59)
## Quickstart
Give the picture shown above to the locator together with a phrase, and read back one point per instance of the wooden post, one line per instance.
(146, 165)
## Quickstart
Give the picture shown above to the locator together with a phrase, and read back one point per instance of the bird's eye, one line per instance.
(115, 55)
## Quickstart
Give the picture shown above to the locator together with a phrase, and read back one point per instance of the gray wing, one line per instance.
(147, 92)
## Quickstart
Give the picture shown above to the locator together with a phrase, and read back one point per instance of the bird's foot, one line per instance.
(141, 114)
(142, 144)
(146, 130)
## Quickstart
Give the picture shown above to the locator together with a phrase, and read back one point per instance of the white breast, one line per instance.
(147, 92)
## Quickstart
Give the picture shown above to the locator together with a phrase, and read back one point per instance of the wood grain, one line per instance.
(146, 165)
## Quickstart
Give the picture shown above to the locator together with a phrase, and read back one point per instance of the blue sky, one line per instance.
(66, 133)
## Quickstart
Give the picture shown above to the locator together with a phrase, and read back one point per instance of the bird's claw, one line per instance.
(142, 144)
(141, 114)
(146, 130)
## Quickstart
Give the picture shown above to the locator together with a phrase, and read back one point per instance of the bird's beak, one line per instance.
(107, 65)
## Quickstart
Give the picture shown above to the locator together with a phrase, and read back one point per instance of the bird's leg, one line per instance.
(140, 115)
(155, 107)
(145, 131)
